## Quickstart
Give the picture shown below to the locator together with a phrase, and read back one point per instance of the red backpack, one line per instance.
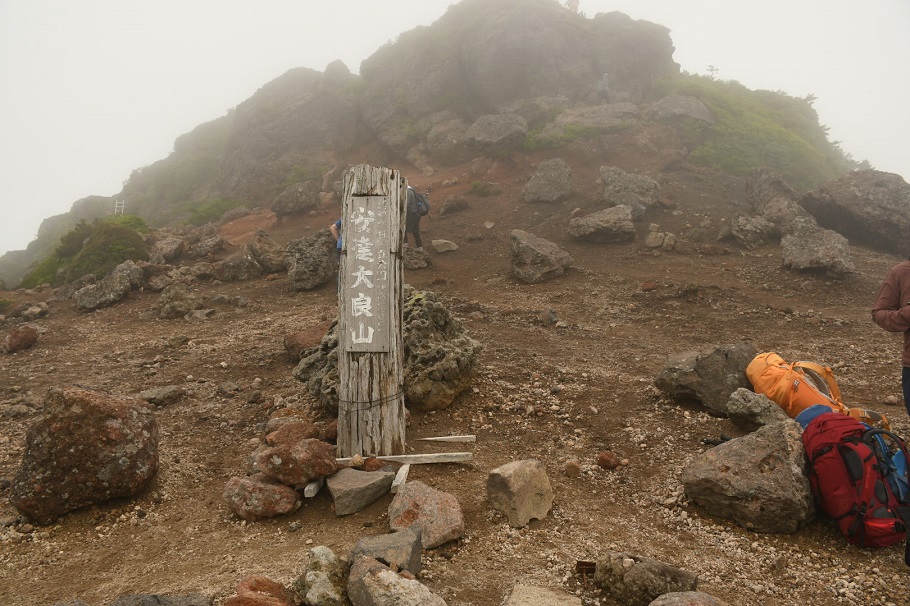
(848, 475)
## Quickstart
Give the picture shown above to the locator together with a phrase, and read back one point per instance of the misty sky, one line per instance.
(93, 89)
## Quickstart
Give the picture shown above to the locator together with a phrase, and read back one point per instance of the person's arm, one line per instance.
(334, 229)
(891, 310)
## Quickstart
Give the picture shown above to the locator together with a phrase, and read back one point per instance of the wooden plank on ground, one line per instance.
(441, 457)
(465, 438)
(401, 477)
(313, 487)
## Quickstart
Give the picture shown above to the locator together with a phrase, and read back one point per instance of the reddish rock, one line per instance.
(296, 464)
(260, 497)
(608, 459)
(438, 514)
(649, 286)
(292, 432)
(373, 464)
(260, 591)
(573, 469)
(20, 338)
(295, 344)
(89, 448)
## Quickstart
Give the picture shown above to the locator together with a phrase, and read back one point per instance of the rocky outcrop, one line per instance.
(638, 192)
(868, 206)
(677, 108)
(499, 131)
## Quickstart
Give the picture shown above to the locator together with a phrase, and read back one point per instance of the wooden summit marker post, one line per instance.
(371, 417)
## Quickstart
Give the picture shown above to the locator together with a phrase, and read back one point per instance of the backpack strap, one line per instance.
(822, 376)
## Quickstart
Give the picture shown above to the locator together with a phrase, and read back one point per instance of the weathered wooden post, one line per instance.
(371, 415)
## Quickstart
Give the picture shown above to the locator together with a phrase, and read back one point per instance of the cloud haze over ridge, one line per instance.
(97, 88)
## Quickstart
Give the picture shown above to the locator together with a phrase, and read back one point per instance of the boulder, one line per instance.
(436, 513)
(260, 591)
(521, 491)
(415, 258)
(759, 480)
(238, 267)
(603, 117)
(167, 250)
(296, 198)
(687, 598)
(259, 497)
(535, 259)
(678, 108)
(497, 131)
(749, 410)
(268, 253)
(813, 248)
(353, 490)
(323, 581)
(527, 595)
(90, 447)
(176, 301)
(312, 261)
(296, 464)
(20, 338)
(550, 183)
(401, 549)
(162, 396)
(638, 192)
(707, 377)
(372, 584)
(775, 201)
(636, 580)
(609, 225)
(869, 206)
(751, 231)
(111, 289)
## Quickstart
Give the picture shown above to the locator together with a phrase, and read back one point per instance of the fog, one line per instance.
(94, 89)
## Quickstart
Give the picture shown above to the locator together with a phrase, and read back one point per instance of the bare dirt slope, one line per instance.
(554, 393)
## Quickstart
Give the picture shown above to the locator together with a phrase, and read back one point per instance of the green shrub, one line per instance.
(45, 272)
(107, 247)
(206, 212)
(484, 189)
(754, 129)
(129, 221)
(71, 242)
(5, 304)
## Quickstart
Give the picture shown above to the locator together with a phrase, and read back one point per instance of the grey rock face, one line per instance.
(238, 267)
(113, 288)
(550, 183)
(495, 131)
(312, 261)
(296, 198)
(638, 192)
(323, 581)
(810, 247)
(637, 580)
(869, 206)
(400, 549)
(176, 301)
(707, 377)
(592, 118)
(676, 107)
(750, 410)
(268, 253)
(535, 259)
(609, 225)
(353, 490)
(758, 481)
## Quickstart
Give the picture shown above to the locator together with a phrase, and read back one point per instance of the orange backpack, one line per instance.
(795, 387)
